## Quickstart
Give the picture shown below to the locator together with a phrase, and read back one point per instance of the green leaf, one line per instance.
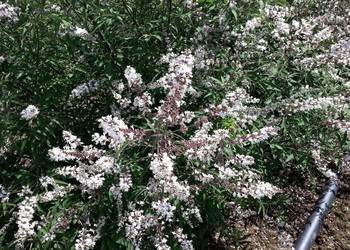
(61, 182)
(289, 158)
(276, 146)
(233, 11)
(66, 23)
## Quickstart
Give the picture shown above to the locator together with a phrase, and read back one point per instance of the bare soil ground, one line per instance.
(281, 225)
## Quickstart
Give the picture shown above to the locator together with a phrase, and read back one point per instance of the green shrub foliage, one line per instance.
(136, 124)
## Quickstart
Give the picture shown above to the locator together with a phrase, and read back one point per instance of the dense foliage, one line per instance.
(136, 124)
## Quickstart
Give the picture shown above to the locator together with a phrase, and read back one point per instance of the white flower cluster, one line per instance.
(202, 146)
(24, 222)
(241, 160)
(142, 102)
(262, 189)
(90, 176)
(45, 181)
(75, 31)
(9, 13)
(123, 102)
(232, 106)
(25, 191)
(183, 239)
(115, 132)
(134, 79)
(189, 4)
(202, 60)
(133, 95)
(3, 194)
(279, 14)
(164, 209)
(247, 182)
(321, 161)
(299, 30)
(84, 89)
(203, 177)
(162, 169)
(70, 151)
(261, 135)
(252, 24)
(315, 32)
(262, 45)
(160, 241)
(136, 224)
(162, 166)
(71, 140)
(53, 7)
(87, 238)
(179, 73)
(227, 172)
(8, 224)
(79, 32)
(341, 52)
(58, 191)
(2, 59)
(312, 103)
(176, 189)
(177, 82)
(30, 112)
(343, 126)
(186, 117)
(125, 182)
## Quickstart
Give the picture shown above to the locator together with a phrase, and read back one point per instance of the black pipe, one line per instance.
(315, 221)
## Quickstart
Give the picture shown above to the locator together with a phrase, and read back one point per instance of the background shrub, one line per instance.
(171, 111)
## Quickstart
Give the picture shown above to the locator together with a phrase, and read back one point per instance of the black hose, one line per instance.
(315, 221)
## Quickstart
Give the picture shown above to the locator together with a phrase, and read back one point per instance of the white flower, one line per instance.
(241, 160)
(87, 238)
(125, 183)
(25, 216)
(162, 166)
(84, 89)
(115, 131)
(79, 32)
(30, 112)
(3, 194)
(263, 189)
(142, 101)
(46, 180)
(105, 164)
(253, 23)
(176, 189)
(134, 227)
(164, 208)
(134, 79)
(189, 3)
(9, 13)
(58, 154)
(183, 239)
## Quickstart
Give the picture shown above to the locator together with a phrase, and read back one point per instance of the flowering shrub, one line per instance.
(169, 111)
